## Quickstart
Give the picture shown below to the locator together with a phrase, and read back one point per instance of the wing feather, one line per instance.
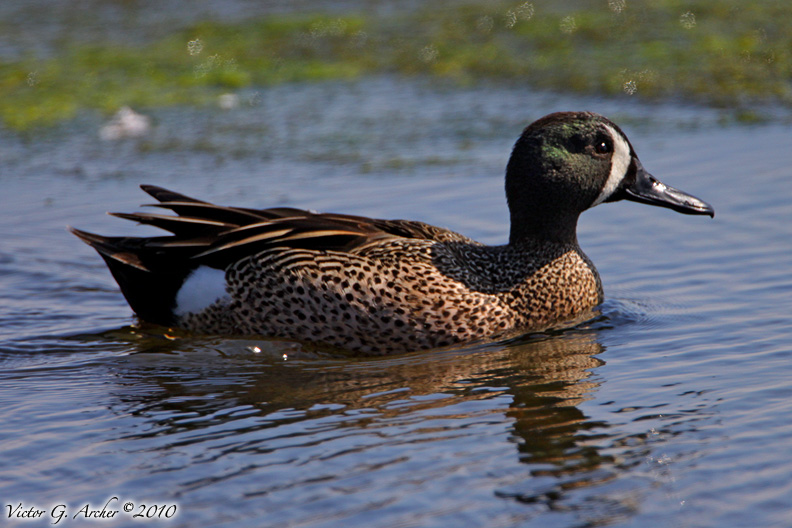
(205, 233)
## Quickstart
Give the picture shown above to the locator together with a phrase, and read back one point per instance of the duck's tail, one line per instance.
(148, 280)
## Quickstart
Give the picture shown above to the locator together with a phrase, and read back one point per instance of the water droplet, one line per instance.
(255, 349)
(484, 24)
(568, 24)
(525, 11)
(688, 20)
(630, 87)
(428, 54)
(32, 78)
(617, 6)
(521, 12)
(194, 47)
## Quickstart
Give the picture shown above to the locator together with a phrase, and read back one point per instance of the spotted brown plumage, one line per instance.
(381, 286)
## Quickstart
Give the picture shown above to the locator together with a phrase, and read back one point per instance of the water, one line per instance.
(669, 409)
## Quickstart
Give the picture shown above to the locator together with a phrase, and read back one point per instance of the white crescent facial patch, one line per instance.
(620, 163)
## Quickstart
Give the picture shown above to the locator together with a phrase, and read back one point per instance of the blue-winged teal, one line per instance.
(381, 286)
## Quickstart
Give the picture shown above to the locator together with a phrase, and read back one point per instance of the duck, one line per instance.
(374, 286)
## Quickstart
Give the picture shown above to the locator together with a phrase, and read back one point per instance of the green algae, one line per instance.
(723, 53)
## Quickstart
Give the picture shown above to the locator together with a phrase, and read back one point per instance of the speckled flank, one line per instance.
(402, 295)
(381, 286)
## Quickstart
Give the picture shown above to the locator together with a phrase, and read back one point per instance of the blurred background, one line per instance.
(61, 59)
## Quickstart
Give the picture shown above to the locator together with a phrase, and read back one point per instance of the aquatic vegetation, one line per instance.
(724, 53)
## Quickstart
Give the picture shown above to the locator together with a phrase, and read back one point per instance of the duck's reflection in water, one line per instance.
(222, 400)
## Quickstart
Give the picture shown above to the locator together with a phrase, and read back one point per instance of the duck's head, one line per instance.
(567, 162)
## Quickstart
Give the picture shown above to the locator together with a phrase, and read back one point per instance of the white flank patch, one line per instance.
(620, 162)
(202, 288)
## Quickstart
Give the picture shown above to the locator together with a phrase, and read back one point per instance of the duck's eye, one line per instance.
(603, 147)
